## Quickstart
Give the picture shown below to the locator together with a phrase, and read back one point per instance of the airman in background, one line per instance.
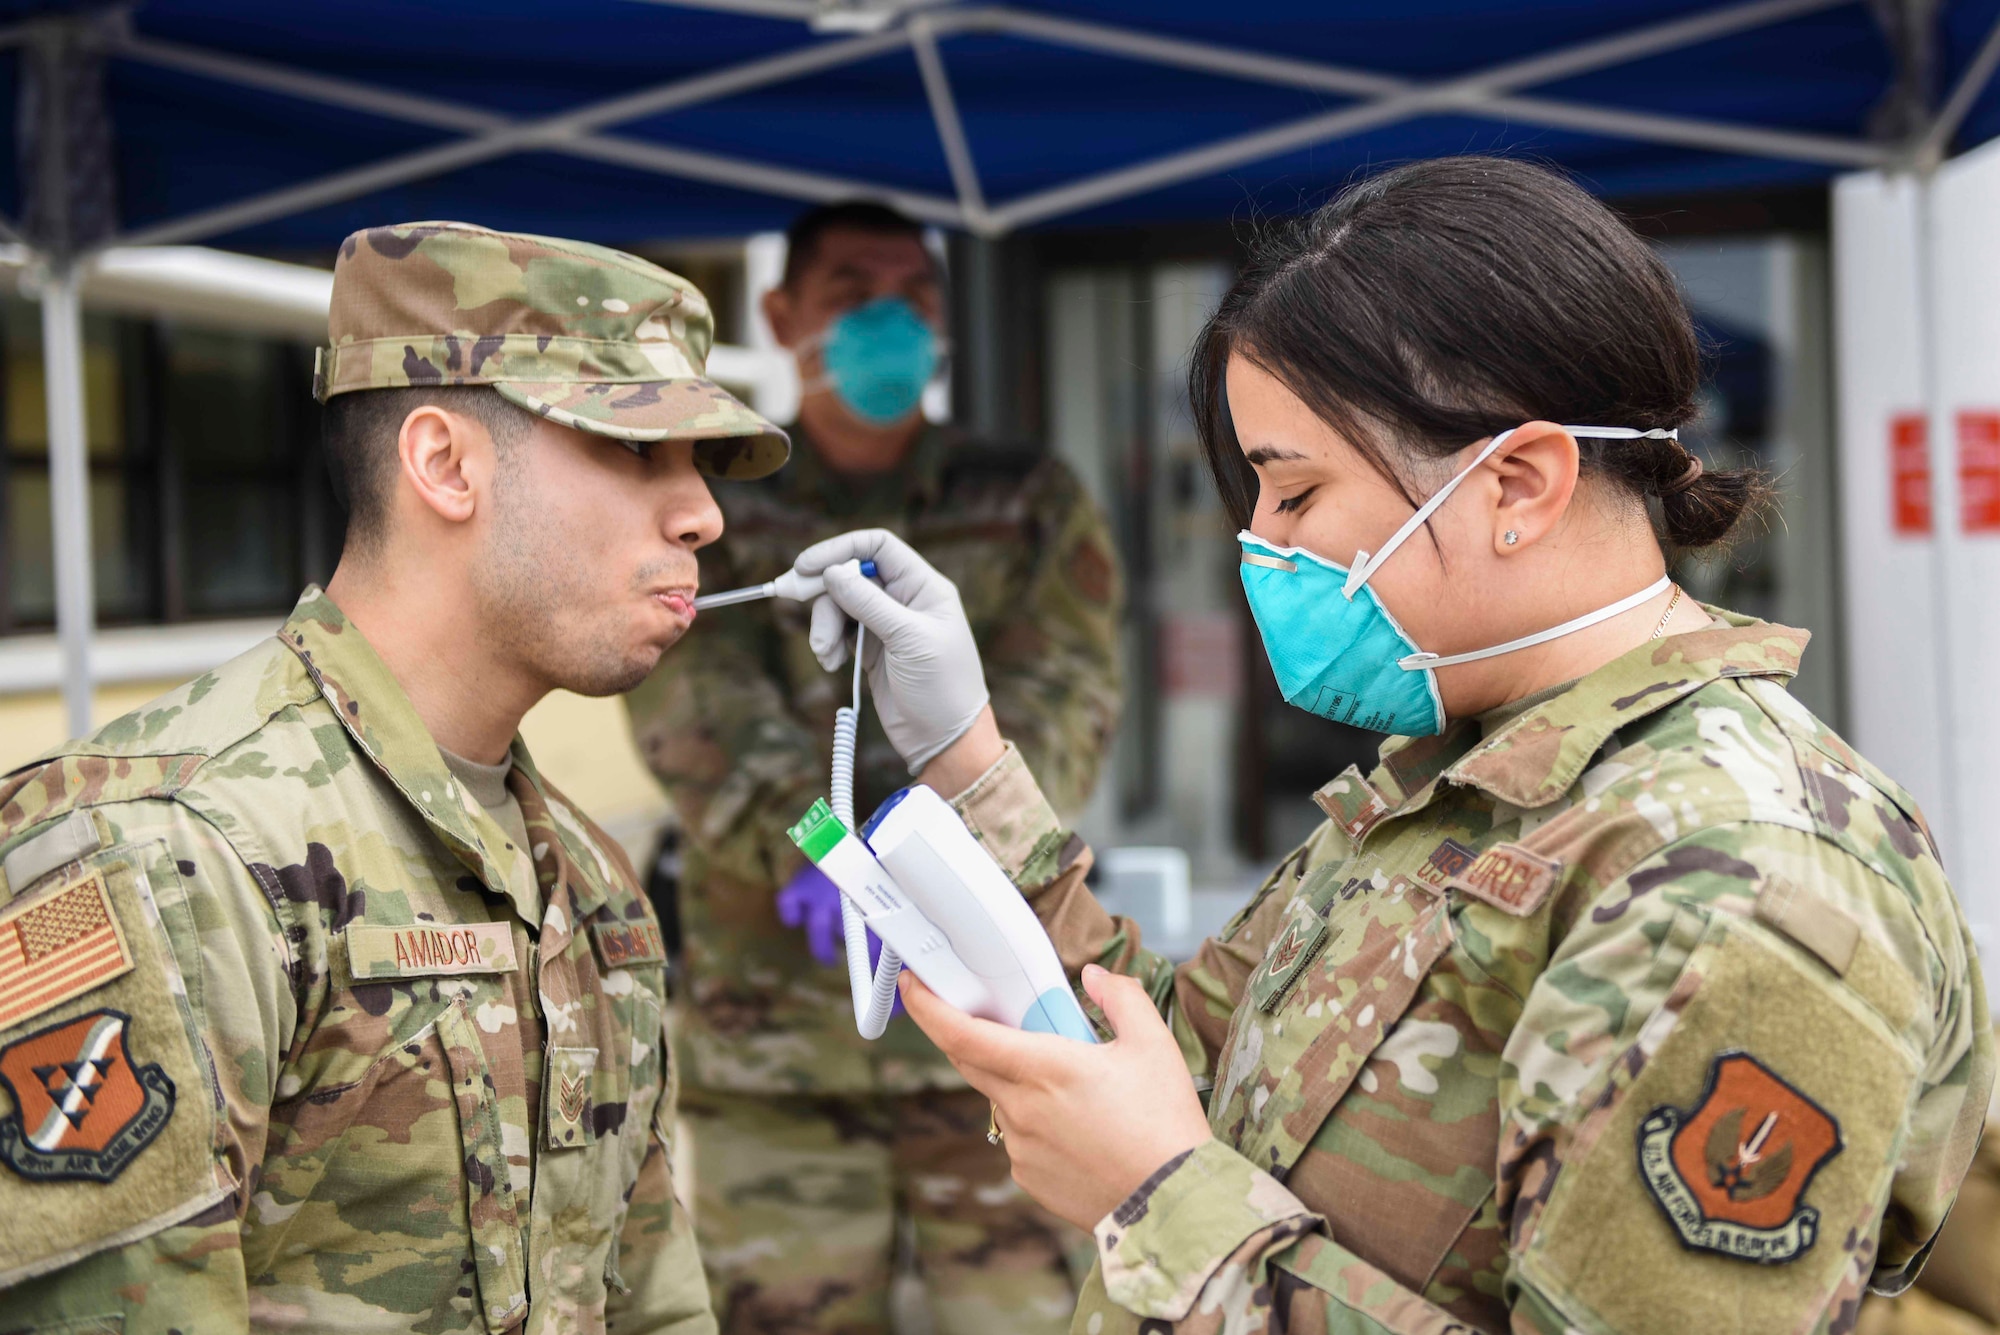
(809, 1142)
(320, 1009)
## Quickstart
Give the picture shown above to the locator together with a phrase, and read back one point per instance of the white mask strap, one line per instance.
(1365, 565)
(1414, 662)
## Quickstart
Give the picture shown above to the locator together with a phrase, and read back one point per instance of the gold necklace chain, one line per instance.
(1672, 603)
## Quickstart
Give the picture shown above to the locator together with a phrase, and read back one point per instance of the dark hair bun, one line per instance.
(1699, 507)
(1710, 512)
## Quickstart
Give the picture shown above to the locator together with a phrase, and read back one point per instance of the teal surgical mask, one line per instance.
(1339, 653)
(877, 359)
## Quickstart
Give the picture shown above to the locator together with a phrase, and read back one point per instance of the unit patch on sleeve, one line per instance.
(1731, 1172)
(82, 1109)
(58, 946)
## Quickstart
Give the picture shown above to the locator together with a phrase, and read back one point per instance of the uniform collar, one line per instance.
(918, 480)
(377, 714)
(587, 873)
(1534, 758)
(1404, 782)
(1409, 765)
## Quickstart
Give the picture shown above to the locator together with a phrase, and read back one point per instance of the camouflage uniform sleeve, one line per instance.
(1006, 810)
(665, 1288)
(1748, 980)
(717, 729)
(154, 1238)
(1052, 662)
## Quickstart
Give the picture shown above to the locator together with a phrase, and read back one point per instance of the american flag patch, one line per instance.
(58, 946)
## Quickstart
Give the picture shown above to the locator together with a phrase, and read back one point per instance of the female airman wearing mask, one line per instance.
(1622, 995)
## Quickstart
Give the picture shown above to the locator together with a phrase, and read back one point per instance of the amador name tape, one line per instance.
(428, 949)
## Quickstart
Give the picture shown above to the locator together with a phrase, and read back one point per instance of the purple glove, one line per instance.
(812, 902)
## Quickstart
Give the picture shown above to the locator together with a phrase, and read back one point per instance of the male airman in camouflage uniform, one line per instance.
(1644, 1005)
(808, 1140)
(300, 1026)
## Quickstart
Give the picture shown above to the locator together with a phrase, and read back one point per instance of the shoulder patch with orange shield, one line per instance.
(83, 1109)
(1731, 1172)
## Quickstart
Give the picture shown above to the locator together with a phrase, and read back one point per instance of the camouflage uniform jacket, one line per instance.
(738, 724)
(1651, 1010)
(336, 1054)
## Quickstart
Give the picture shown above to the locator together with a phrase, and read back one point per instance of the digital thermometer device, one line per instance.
(917, 878)
(923, 883)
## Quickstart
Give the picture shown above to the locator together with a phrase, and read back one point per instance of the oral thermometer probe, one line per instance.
(791, 586)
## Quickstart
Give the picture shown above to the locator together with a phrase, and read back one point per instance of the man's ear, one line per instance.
(777, 304)
(1537, 470)
(446, 460)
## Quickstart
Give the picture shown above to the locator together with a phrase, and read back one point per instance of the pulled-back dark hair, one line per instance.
(1445, 301)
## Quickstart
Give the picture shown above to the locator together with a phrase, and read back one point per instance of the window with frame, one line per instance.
(208, 490)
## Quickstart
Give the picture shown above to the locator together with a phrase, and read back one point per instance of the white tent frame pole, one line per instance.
(248, 72)
(63, 390)
(801, 11)
(786, 182)
(1930, 150)
(1179, 53)
(511, 137)
(951, 131)
(1258, 67)
(69, 489)
(1398, 100)
(1242, 149)
(1462, 94)
(1482, 94)
(642, 154)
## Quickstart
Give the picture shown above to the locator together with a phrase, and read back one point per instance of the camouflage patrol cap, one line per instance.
(583, 335)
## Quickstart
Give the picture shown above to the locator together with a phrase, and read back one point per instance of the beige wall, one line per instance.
(581, 744)
(31, 724)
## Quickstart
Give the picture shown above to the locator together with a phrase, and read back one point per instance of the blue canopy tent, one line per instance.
(255, 126)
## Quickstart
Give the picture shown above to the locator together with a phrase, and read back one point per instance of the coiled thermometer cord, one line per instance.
(874, 997)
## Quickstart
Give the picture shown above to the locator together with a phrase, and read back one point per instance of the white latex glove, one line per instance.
(922, 663)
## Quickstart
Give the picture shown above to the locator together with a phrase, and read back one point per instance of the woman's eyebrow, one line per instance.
(1264, 454)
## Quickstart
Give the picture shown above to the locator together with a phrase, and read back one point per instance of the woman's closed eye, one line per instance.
(1290, 504)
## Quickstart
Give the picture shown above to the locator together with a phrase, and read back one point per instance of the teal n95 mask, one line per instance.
(1336, 649)
(878, 358)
